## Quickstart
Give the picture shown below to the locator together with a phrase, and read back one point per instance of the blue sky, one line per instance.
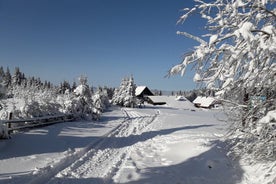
(104, 40)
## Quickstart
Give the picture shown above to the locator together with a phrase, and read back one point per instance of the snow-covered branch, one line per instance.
(239, 59)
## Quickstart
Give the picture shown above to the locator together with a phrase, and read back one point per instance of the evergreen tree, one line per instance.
(160, 93)
(17, 77)
(110, 92)
(82, 104)
(100, 100)
(2, 91)
(125, 94)
(2, 73)
(7, 78)
(74, 86)
(64, 86)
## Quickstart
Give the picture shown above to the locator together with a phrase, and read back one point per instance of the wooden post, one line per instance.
(245, 102)
(9, 118)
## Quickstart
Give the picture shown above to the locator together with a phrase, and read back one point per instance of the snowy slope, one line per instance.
(148, 145)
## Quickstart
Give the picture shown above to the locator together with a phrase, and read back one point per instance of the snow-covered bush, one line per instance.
(238, 58)
(125, 94)
(65, 101)
(36, 102)
(100, 100)
(81, 105)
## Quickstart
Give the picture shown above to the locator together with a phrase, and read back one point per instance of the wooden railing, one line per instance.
(20, 124)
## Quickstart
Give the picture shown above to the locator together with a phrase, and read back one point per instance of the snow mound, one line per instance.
(271, 116)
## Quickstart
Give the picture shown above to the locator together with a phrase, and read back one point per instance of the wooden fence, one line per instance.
(20, 124)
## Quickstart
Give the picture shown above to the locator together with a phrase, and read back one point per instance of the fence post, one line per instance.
(9, 118)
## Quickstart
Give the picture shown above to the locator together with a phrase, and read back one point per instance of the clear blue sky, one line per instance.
(104, 40)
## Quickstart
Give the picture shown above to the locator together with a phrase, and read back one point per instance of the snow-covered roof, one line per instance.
(172, 101)
(204, 101)
(157, 99)
(139, 90)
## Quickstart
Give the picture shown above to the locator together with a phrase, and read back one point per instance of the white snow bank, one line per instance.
(270, 116)
(256, 173)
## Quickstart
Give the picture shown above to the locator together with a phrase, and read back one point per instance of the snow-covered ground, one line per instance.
(155, 144)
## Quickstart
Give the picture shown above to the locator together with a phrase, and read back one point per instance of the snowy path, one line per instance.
(149, 145)
(103, 160)
(181, 147)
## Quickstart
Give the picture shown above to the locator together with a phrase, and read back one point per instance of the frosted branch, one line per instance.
(192, 37)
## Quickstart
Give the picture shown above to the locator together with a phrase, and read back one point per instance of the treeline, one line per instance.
(39, 98)
(10, 80)
(189, 94)
(18, 78)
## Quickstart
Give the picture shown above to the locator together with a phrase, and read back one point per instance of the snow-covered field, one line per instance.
(155, 144)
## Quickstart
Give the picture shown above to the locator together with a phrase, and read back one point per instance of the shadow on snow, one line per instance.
(120, 142)
(211, 166)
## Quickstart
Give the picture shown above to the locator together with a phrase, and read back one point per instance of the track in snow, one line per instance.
(102, 160)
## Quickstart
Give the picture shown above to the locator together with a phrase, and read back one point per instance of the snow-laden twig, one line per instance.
(192, 37)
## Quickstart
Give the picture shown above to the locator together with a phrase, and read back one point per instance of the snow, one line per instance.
(245, 31)
(139, 90)
(204, 101)
(197, 77)
(176, 69)
(80, 90)
(270, 116)
(174, 102)
(213, 39)
(155, 144)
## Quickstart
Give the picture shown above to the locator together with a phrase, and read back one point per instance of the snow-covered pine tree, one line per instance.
(2, 88)
(239, 60)
(2, 72)
(17, 77)
(7, 80)
(100, 100)
(125, 94)
(82, 104)
(65, 85)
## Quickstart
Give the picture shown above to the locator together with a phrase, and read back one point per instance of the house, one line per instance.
(205, 102)
(143, 92)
